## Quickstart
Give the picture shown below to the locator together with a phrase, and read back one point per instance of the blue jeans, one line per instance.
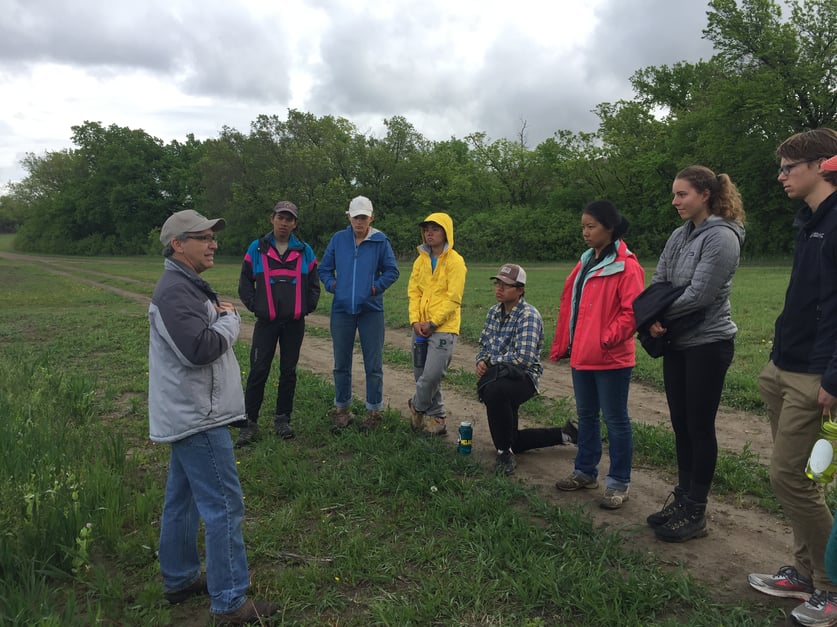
(605, 392)
(370, 327)
(203, 483)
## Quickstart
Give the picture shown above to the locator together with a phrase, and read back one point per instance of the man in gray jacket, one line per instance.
(194, 392)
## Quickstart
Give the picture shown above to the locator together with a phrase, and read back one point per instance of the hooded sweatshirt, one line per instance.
(436, 293)
(704, 259)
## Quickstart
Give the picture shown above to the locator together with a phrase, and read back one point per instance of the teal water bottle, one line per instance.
(466, 436)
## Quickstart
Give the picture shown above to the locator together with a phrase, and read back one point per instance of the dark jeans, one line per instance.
(694, 378)
(502, 399)
(288, 334)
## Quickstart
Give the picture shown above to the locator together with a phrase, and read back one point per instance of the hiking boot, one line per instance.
(613, 499)
(687, 523)
(435, 425)
(282, 427)
(341, 417)
(673, 502)
(505, 464)
(576, 481)
(788, 583)
(571, 431)
(251, 613)
(248, 434)
(417, 418)
(818, 611)
(373, 420)
(195, 589)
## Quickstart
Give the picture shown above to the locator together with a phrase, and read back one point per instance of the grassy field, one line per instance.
(342, 530)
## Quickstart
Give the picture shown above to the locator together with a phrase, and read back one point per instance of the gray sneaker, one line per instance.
(613, 499)
(820, 610)
(282, 427)
(788, 583)
(248, 434)
(576, 482)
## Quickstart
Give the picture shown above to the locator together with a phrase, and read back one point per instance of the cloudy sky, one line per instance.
(451, 67)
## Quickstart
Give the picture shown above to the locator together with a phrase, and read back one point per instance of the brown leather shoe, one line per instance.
(417, 418)
(373, 420)
(435, 425)
(341, 417)
(251, 613)
(196, 589)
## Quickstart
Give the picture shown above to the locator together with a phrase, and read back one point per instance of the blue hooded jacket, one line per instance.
(349, 272)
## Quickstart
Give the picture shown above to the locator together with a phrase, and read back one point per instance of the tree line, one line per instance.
(771, 74)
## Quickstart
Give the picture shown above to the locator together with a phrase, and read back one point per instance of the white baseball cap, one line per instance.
(360, 206)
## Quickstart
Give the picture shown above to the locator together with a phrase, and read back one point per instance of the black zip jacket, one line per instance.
(805, 339)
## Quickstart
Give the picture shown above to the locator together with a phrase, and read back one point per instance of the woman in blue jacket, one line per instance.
(357, 267)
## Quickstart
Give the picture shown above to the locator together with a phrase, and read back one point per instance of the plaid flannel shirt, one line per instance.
(514, 339)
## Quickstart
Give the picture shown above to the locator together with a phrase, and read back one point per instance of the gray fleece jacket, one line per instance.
(703, 258)
(194, 380)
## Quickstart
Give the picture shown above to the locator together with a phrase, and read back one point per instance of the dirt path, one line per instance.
(741, 539)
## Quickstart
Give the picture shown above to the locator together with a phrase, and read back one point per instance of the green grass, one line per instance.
(341, 530)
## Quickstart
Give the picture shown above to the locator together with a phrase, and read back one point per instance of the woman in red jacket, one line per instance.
(595, 331)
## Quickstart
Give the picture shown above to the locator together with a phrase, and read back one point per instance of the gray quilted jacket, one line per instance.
(704, 258)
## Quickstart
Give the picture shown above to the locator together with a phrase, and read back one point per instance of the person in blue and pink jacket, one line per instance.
(280, 284)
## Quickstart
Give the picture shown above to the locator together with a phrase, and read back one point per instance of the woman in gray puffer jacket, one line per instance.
(702, 256)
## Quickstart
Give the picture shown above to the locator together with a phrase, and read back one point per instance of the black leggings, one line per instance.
(694, 379)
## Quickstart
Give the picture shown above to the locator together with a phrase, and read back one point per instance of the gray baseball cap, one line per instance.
(187, 221)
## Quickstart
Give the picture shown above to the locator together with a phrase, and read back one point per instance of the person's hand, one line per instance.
(373, 290)
(657, 330)
(423, 329)
(481, 368)
(225, 306)
(826, 401)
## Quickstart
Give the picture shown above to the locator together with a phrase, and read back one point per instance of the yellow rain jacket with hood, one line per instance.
(436, 293)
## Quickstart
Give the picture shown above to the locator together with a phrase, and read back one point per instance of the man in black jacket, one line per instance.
(799, 384)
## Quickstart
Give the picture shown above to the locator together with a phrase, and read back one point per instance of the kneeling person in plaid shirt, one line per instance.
(509, 369)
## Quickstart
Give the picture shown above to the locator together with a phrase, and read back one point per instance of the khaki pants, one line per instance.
(795, 420)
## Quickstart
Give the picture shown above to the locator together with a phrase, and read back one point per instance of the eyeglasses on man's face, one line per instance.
(503, 286)
(203, 238)
(786, 169)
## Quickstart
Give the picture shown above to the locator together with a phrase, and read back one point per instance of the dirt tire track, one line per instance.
(741, 538)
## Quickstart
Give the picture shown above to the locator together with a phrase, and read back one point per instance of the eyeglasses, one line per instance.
(786, 169)
(203, 238)
(504, 286)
